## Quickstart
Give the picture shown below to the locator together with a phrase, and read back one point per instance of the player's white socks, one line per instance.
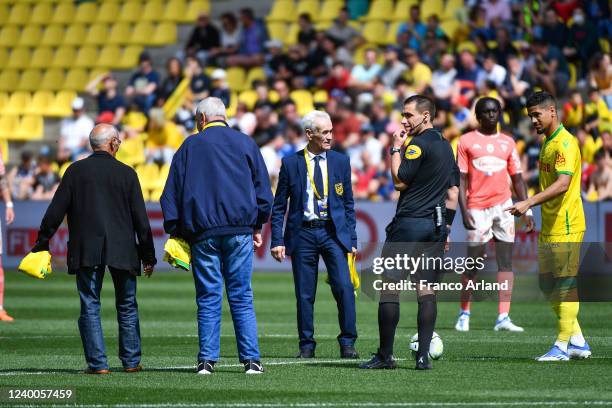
(502, 316)
(562, 345)
(578, 340)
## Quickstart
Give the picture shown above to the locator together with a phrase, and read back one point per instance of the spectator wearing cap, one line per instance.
(363, 76)
(342, 33)
(219, 87)
(111, 104)
(21, 177)
(392, 69)
(46, 180)
(143, 84)
(254, 36)
(74, 133)
(412, 31)
(204, 38)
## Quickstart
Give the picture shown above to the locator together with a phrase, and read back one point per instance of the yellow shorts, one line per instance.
(560, 254)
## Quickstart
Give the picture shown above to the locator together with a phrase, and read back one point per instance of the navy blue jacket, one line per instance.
(292, 186)
(218, 185)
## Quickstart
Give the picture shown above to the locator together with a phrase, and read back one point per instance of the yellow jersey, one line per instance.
(560, 154)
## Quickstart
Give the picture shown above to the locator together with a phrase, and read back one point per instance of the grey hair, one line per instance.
(309, 121)
(211, 107)
(101, 134)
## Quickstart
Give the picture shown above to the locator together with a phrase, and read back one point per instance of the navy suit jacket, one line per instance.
(292, 187)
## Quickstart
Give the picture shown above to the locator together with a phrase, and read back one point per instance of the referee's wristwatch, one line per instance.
(394, 150)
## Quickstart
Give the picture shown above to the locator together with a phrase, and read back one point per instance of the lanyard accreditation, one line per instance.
(312, 183)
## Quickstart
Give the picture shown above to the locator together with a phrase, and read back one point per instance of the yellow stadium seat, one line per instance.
(17, 103)
(142, 33)
(120, 33)
(254, 74)
(30, 80)
(129, 58)
(573, 71)
(4, 146)
(147, 175)
(431, 7)
(292, 34)
(53, 80)
(307, 6)
(86, 13)
(20, 14)
(41, 57)
(41, 13)
(8, 125)
(86, 57)
(164, 171)
(110, 57)
(4, 14)
(375, 32)
(64, 57)
(282, 10)
(9, 36)
(379, 10)
(3, 100)
(108, 12)
(330, 9)
(19, 58)
(153, 11)
(41, 101)
(97, 34)
(231, 109)
(235, 78)
(76, 80)
(320, 97)
(64, 13)
(248, 97)
(4, 56)
(132, 151)
(30, 36)
(131, 11)
(391, 37)
(75, 35)
(9, 78)
(53, 35)
(30, 128)
(194, 8)
(402, 9)
(63, 168)
(452, 9)
(165, 33)
(277, 30)
(450, 27)
(303, 101)
(62, 104)
(174, 10)
(325, 24)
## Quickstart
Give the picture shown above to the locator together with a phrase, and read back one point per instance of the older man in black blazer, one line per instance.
(106, 213)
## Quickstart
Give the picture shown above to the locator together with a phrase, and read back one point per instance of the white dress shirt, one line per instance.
(309, 212)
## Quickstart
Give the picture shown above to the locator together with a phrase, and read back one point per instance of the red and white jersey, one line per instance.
(487, 160)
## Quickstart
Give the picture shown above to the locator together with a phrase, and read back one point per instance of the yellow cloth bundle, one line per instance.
(350, 257)
(177, 253)
(36, 264)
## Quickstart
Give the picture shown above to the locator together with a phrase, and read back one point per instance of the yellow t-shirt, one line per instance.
(560, 154)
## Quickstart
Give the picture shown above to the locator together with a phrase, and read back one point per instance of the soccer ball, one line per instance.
(436, 347)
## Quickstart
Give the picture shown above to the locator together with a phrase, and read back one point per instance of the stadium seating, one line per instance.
(30, 128)
(41, 57)
(17, 103)
(41, 13)
(375, 32)
(9, 78)
(65, 13)
(307, 6)
(131, 11)
(30, 80)
(53, 35)
(30, 36)
(153, 11)
(330, 10)
(40, 103)
(401, 11)
(379, 10)
(86, 13)
(53, 80)
(282, 11)
(235, 78)
(20, 14)
(432, 7)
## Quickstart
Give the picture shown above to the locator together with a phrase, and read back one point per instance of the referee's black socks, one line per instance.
(426, 321)
(388, 317)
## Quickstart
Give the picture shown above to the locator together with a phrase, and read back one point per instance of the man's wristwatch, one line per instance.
(393, 150)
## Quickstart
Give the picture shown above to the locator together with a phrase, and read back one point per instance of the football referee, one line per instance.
(426, 174)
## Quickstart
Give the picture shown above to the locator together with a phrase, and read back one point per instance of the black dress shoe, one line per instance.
(423, 363)
(348, 352)
(378, 362)
(306, 353)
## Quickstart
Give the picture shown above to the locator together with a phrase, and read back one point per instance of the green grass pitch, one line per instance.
(481, 368)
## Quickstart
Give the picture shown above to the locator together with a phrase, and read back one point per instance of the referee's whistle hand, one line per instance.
(399, 138)
(278, 253)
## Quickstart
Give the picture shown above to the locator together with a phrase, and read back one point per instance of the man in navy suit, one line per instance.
(321, 221)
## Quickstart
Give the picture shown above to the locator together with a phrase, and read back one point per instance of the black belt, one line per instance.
(316, 223)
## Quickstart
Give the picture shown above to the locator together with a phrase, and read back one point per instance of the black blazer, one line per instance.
(106, 213)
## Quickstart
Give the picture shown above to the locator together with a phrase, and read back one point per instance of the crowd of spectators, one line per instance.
(502, 48)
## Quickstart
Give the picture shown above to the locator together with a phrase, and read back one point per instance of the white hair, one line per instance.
(101, 135)
(211, 107)
(309, 121)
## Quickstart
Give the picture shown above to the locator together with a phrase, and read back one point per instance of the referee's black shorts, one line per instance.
(416, 238)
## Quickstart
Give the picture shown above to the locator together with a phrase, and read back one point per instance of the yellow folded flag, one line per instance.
(177, 253)
(350, 257)
(36, 264)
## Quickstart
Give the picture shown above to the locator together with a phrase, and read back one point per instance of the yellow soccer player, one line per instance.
(563, 225)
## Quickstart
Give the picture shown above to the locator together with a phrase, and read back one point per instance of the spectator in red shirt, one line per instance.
(338, 79)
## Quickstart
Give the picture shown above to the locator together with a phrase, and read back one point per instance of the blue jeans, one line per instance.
(215, 260)
(305, 264)
(89, 284)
